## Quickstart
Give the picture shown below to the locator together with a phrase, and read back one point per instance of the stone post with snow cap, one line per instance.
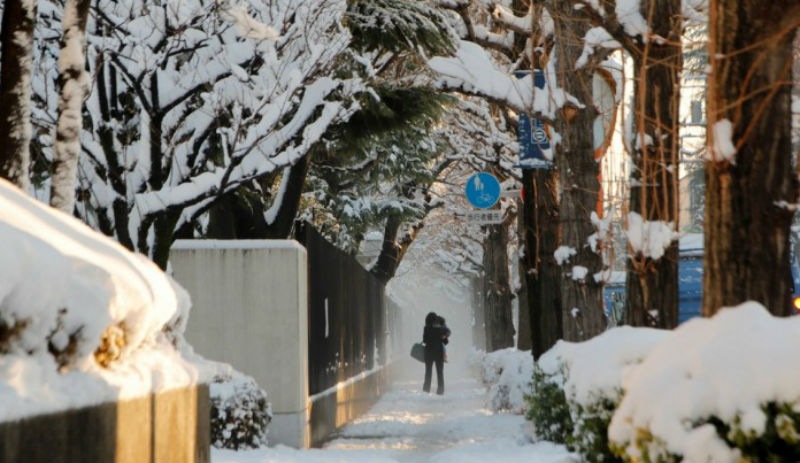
(250, 309)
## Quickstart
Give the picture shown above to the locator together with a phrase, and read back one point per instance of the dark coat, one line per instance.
(435, 337)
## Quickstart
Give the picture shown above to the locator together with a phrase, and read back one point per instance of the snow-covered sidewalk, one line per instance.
(407, 425)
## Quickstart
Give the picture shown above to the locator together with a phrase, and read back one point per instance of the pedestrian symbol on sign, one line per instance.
(482, 190)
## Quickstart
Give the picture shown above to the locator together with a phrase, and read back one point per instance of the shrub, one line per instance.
(590, 435)
(507, 374)
(577, 388)
(547, 407)
(717, 389)
(780, 440)
(240, 412)
(558, 418)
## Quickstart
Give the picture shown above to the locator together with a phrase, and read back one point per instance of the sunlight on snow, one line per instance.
(404, 417)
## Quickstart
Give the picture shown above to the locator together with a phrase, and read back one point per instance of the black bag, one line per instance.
(418, 351)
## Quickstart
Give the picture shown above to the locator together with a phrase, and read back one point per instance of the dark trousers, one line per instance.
(429, 361)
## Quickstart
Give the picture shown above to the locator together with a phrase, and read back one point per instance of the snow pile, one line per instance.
(82, 320)
(596, 366)
(716, 389)
(507, 374)
(577, 387)
(240, 412)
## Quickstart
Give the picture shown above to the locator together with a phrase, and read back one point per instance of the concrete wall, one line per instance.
(332, 409)
(169, 427)
(250, 309)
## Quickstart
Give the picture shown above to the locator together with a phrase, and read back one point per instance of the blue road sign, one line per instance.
(482, 190)
(531, 134)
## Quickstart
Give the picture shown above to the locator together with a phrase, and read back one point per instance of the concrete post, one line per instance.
(250, 309)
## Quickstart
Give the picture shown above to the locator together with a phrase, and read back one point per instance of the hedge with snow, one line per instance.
(719, 389)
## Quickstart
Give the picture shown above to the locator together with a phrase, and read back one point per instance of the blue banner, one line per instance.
(534, 145)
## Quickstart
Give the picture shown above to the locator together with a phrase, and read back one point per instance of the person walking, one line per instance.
(434, 336)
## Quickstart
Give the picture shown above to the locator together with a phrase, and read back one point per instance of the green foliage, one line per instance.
(590, 436)
(398, 26)
(779, 442)
(373, 163)
(395, 116)
(548, 409)
(646, 442)
(582, 428)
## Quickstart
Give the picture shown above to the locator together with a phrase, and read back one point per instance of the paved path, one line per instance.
(412, 426)
(407, 425)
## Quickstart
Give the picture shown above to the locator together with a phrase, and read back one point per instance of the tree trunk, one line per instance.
(281, 225)
(163, 236)
(542, 275)
(478, 323)
(652, 284)
(108, 102)
(393, 248)
(73, 84)
(240, 214)
(388, 260)
(16, 42)
(581, 293)
(747, 220)
(524, 325)
(496, 289)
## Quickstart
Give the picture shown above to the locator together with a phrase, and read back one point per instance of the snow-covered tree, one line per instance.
(193, 99)
(73, 84)
(378, 177)
(496, 43)
(16, 44)
(376, 170)
(573, 70)
(358, 176)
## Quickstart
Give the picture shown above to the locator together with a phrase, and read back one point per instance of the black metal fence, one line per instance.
(398, 328)
(346, 314)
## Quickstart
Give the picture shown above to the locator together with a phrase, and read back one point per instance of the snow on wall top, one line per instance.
(65, 290)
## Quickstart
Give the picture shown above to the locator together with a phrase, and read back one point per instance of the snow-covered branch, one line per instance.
(506, 18)
(472, 71)
(188, 104)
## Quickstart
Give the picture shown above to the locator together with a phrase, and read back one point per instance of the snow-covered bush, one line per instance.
(577, 387)
(719, 389)
(547, 404)
(240, 412)
(594, 384)
(507, 373)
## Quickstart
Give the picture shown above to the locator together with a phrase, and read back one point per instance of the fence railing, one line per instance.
(347, 323)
